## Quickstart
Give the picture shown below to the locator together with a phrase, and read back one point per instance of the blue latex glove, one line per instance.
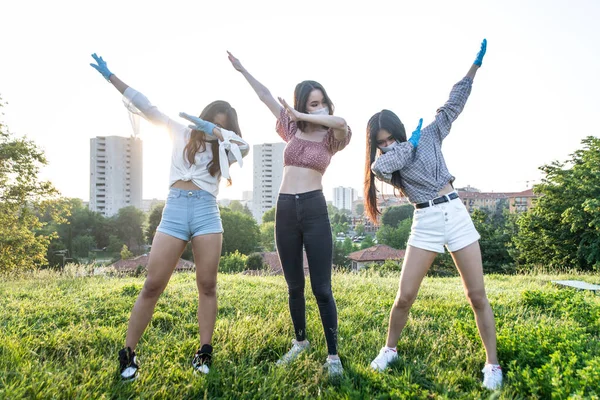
(481, 53)
(416, 135)
(101, 67)
(199, 124)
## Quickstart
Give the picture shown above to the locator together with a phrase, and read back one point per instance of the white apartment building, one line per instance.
(343, 197)
(115, 174)
(268, 172)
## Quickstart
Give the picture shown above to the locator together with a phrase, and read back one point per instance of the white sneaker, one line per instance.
(385, 357)
(334, 367)
(294, 352)
(492, 376)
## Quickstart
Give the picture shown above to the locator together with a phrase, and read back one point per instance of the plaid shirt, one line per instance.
(423, 172)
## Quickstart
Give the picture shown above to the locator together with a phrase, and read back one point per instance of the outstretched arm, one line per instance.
(448, 113)
(261, 90)
(135, 101)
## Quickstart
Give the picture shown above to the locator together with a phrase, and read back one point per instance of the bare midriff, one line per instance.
(300, 180)
(446, 189)
(185, 185)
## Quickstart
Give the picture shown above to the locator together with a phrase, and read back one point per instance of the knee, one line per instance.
(477, 298)
(322, 293)
(207, 288)
(404, 301)
(151, 290)
(296, 291)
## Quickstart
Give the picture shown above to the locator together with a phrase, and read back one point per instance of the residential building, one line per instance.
(376, 254)
(115, 174)
(344, 197)
(268, 173)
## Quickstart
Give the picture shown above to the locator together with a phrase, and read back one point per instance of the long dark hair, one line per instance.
(197, 142)
(301, 93)
(385, 119)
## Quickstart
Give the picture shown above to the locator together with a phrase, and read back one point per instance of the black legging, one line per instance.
(302, 219)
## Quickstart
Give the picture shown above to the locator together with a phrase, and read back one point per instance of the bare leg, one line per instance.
(163, 258)
(207, 252)
(469, 264)
(416, 264)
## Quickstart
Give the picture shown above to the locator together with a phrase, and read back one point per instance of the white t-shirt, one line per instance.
(181, 169)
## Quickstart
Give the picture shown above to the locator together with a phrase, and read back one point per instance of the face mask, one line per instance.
(320, 111)
(388, 148)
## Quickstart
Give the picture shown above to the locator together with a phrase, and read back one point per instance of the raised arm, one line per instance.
(261, 90)
(448, 113)
(135, 101)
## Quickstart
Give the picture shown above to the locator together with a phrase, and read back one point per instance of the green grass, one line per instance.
(59, 337)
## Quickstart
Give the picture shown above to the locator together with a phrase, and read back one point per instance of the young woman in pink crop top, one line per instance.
(313, 134)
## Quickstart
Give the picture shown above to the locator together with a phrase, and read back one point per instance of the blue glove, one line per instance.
(416, 135)
(101, 67)
(199, 124)
(481, 53)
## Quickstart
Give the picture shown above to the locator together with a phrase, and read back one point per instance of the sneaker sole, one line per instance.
(203, 369)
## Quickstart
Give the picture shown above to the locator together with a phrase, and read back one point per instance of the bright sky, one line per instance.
(533, 100)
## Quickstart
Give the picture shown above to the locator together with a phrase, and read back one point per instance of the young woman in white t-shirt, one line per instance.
(201, 155)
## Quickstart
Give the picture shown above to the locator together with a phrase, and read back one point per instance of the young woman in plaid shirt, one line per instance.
(416, 167)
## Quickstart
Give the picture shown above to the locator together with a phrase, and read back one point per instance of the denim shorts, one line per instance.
(190, 213)
(443, 224)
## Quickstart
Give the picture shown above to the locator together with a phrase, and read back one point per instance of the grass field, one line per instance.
(59, 338)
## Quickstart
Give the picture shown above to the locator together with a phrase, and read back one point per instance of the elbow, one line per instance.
(342, 126)
(264, 95)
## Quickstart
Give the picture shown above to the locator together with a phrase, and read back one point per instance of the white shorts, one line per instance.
(443, 224)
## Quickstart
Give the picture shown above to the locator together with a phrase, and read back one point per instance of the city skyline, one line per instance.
(532, 102)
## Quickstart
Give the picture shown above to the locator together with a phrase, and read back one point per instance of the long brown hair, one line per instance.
(301, 94)
(197, 142)
(385, 119)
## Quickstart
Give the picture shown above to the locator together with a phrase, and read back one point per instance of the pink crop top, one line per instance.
(306, 153)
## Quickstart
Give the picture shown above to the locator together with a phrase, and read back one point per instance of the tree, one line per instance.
(368, 242)
(267, 236)
(494, 240)
(360, 209)
(392, 216)
(74, 231)
(153, 221)
(236, 205)
(395, 237)
(240, 232)
(339, 258)
(82, 245)
(360, 229)
(24, 198)
(269, 216)
(348, 246)
(128, 224)
(563, 229)
(114, 244)
(125, 253)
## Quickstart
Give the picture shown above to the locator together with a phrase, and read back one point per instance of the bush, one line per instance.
(255, 262)
(232, 263)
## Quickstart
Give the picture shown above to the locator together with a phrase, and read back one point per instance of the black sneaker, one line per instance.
(202, 359)
(128, 366)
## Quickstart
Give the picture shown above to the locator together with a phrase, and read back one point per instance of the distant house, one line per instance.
(271, 259)
(131, 265)
(522, 201)
(376, 254)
